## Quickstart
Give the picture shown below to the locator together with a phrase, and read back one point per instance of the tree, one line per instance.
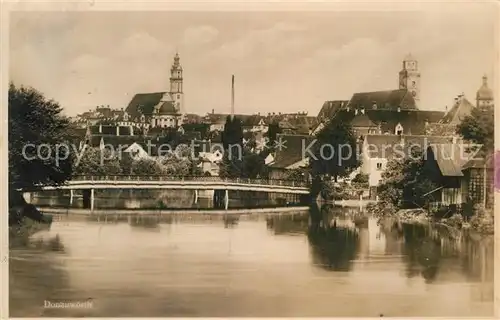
(334, 153)
(97, 162)
(273, 131)
(39, 151)
(146, 167)
(233, 132)
(479, 127)
(250, 165)
(175, 165)
(298, 174)
(405, 182)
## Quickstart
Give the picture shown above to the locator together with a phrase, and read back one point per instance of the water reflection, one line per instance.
(331, 262)
(333, 247)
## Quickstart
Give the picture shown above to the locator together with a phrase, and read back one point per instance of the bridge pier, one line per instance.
(226, 198)
(91, 199)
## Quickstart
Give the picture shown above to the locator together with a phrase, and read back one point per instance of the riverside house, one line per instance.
(459, 177)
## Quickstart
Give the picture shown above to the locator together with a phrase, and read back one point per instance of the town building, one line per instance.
(163, 109)
(289, 156)
(378, 149)
(460, 176)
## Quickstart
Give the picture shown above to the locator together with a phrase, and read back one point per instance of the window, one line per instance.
(399, 129)
(379, 165)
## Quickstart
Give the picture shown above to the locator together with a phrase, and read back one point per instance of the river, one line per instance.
(343, 264)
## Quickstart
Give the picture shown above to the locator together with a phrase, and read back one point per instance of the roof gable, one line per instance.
(461, 109)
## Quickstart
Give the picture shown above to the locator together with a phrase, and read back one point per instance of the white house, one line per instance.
(137, 151)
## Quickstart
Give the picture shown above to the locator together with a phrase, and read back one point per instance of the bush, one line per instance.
(483, 221)
(456, 220)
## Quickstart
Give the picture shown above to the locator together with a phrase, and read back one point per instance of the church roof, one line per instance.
(388, 99)
(460, 109)
(144, 103)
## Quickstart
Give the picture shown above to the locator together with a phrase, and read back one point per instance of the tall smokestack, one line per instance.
(232, 97)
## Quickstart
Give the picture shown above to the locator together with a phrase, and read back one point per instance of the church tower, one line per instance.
(176, 85)
(484, 96)
(409, 78)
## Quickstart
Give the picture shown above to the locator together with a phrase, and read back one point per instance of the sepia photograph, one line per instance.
(327, 161)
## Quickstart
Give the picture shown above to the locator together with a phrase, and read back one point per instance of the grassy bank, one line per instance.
(482, 221)
(20, 232)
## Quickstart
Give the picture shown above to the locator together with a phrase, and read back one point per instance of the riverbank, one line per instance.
(482, 221)
(88, 212)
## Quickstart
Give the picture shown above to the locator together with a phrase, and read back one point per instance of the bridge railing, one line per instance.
(275, 182)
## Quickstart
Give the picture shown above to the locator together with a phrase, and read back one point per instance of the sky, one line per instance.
(282, 61)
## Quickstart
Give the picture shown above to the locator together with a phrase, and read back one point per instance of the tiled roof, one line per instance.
(253, 120)
(145, 102)
(215, 118)
(292, 149)
(450, 158)
(389, 99)
(303, 123)
(440, 129)
(329, 108)
(362, 120)
(110, 130)
(387, 146)
(193, 118)
(460, 109)
(480, 163)
(412, 121)
(285, 124)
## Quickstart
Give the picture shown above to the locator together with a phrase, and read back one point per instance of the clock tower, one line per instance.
(176, 84)
(409, 78)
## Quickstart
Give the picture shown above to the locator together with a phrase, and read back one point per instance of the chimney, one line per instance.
(213, 111)
(232, 97)
(445, 108)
